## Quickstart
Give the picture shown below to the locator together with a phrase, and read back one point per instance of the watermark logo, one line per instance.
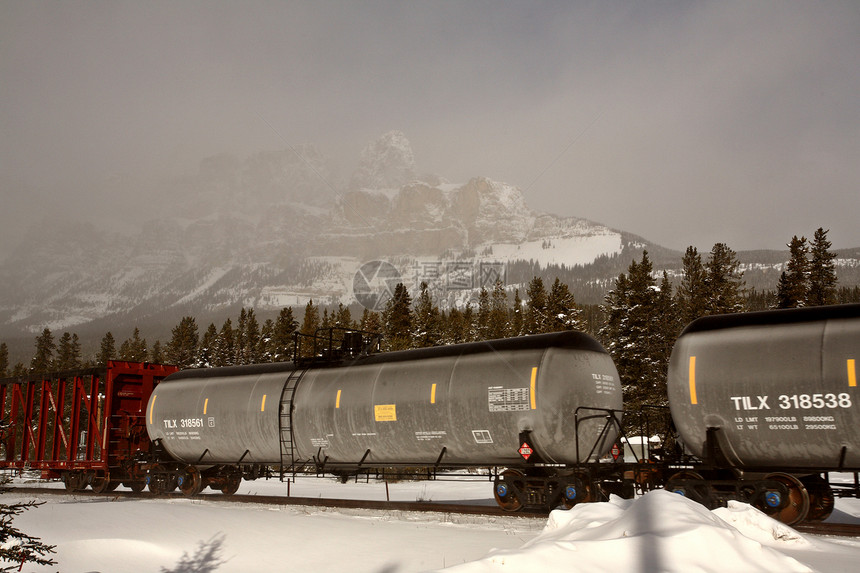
(374, 283)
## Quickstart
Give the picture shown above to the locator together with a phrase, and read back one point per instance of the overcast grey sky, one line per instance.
(684, 122)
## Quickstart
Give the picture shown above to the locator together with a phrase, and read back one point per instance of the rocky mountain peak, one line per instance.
(387, 163)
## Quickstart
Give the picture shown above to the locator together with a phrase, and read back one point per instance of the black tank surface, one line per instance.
(460, 405)
(232, 412)
(464, 404)
(779, 387)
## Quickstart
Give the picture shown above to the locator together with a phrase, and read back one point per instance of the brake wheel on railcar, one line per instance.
(791, 509)
(505, 490)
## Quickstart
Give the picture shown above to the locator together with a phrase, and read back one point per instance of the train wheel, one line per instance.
(232, 483)
(580, 491)
(74, 481)
(136, 486)
(100, 482)
(676, 485)
(791, 510)
(820, 498)
(156, 480)
(504, 492)
(191, 483)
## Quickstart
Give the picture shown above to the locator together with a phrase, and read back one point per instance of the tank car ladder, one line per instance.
(285, 423)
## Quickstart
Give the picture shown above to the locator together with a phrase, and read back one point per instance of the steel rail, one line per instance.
(835, 529)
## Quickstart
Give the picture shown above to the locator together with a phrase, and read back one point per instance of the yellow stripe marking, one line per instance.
(205, 406)
(263, 405)
(532, 388)
(152, 407)
(852, 372)
(433, 394)
(693, 399)
(337, 401)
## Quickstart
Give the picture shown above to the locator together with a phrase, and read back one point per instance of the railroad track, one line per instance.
(836, 529)
(427, 506)
(839, 529)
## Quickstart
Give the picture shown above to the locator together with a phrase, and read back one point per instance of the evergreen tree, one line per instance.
(182, 348)
(157, 356)
(69, 352)
(134, 349)
(427, 328)
(516, 318)
(667, 326)
(264, 348)
(848, 295)
(225, 350)
(497, 322)
(310, 324)
(107, 350)
(281, 347)
(692, 296)
(822, 271)
(482, 317)
(451, 323)
(239, 337)
(251, 351)
(17, 547)
(43, 360)
(793, 282)
(397, 320)
(343, 317)
(562, 311)
(4, 360)
(470, 334)
(535, 316)
(206, 348)
(639, 335)
(724, 281)
(370, 322)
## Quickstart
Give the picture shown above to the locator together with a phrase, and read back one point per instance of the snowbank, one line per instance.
(666, 532)
(658, 532)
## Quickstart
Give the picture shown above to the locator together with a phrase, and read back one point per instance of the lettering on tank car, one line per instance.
(603, 383)
(321, 442)
(815, 401)
(508, 399)
(426, 436)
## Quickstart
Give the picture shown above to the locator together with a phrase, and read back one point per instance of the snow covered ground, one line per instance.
(657, 532)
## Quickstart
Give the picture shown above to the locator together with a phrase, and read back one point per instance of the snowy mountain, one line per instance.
(269, 231)
(279, 228)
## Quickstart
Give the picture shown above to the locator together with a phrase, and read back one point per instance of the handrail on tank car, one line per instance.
(328, 348)
(610, 416)
(613, 420)
(665, 432)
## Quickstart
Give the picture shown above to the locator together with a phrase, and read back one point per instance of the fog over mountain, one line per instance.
(277, 229)
(280, 228)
